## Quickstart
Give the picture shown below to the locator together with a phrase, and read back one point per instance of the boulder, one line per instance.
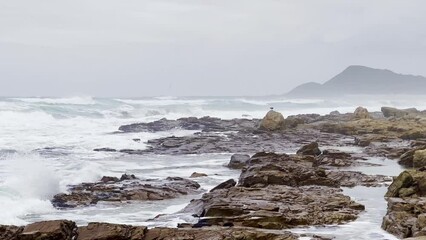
(197, 175)
(272, 121)
(238, 161)
(108, 231)
(398, 113)
(50, 230)
(361, 113)
(309, 149)
(419, 158)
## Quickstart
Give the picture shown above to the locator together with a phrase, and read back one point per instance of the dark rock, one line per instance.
(310, 149)
(105, 150)
(238, 161)
(106, 179)
(50, 230)
(10, 232)
(227, 184)
(128, 188)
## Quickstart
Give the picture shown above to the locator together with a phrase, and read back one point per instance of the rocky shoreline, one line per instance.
(275, 191)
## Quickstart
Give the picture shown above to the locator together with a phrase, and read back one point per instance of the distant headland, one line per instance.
(361, 80)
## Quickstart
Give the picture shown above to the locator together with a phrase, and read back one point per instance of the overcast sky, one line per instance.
(139, 48)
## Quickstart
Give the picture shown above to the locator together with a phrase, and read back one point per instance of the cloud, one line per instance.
(211, 47)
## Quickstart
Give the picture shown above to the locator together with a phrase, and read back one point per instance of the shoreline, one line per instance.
(376, 136)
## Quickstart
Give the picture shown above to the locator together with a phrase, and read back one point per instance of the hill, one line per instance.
(361, 80)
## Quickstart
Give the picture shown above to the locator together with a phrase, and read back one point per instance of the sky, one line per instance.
(134, 48)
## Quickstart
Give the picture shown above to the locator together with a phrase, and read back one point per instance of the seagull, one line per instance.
(272, 108)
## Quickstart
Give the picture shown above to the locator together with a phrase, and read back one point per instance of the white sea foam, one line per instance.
(82, 100)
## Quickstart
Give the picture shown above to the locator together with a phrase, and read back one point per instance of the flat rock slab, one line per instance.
(275, 207)
(127, 188)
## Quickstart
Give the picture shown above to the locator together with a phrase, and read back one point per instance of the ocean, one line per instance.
(47, 144)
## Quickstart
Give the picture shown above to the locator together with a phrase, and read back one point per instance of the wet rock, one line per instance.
(216, 233)
(205, 124)
(128, 188)
(238, 161)
(197, 175)
(310, 149)
(274, 169)
(361, 113)
(406, 213)
(278, 207)
(106, 179)
(49, 230)
(352, 179)
(272, 121)
(105, 150)
(227, 184)
(10, 232)
(108, 231)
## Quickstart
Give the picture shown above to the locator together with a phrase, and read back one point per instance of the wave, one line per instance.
(86, 100)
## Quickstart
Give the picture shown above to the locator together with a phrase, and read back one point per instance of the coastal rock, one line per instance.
(361, 113)
(227, 184)
(127, 188)
(238, 161)
(406, 213)
(419, 158)
(49, 230)
(310, 149)
(272, 121)
(197, 175)
(277, 191)
(10, 232)
(398, 113)
(266, 170)
(277, 207)
(205, 124)
(108, 231)
(215, 233)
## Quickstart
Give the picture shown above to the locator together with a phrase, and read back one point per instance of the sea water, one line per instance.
(47, 144)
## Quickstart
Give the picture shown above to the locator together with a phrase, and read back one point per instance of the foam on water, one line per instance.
(47, 144)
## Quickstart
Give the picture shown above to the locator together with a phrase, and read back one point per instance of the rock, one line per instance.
(406, 213)
(10, 232)
(334, 113)
(128, 177)
(227, 184)
(419, 158)
(197, 175)
(275, 169)
(108, 231)
(216, 233)
(276, 207)
(398, 113)
(310, 149)
(404, 180)
(362, 142)
(105, 150)
(128, 188)
(361, 113)
(352, 179)
(106, 179)
(272, 121)
(50, 230)
(238, 161)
